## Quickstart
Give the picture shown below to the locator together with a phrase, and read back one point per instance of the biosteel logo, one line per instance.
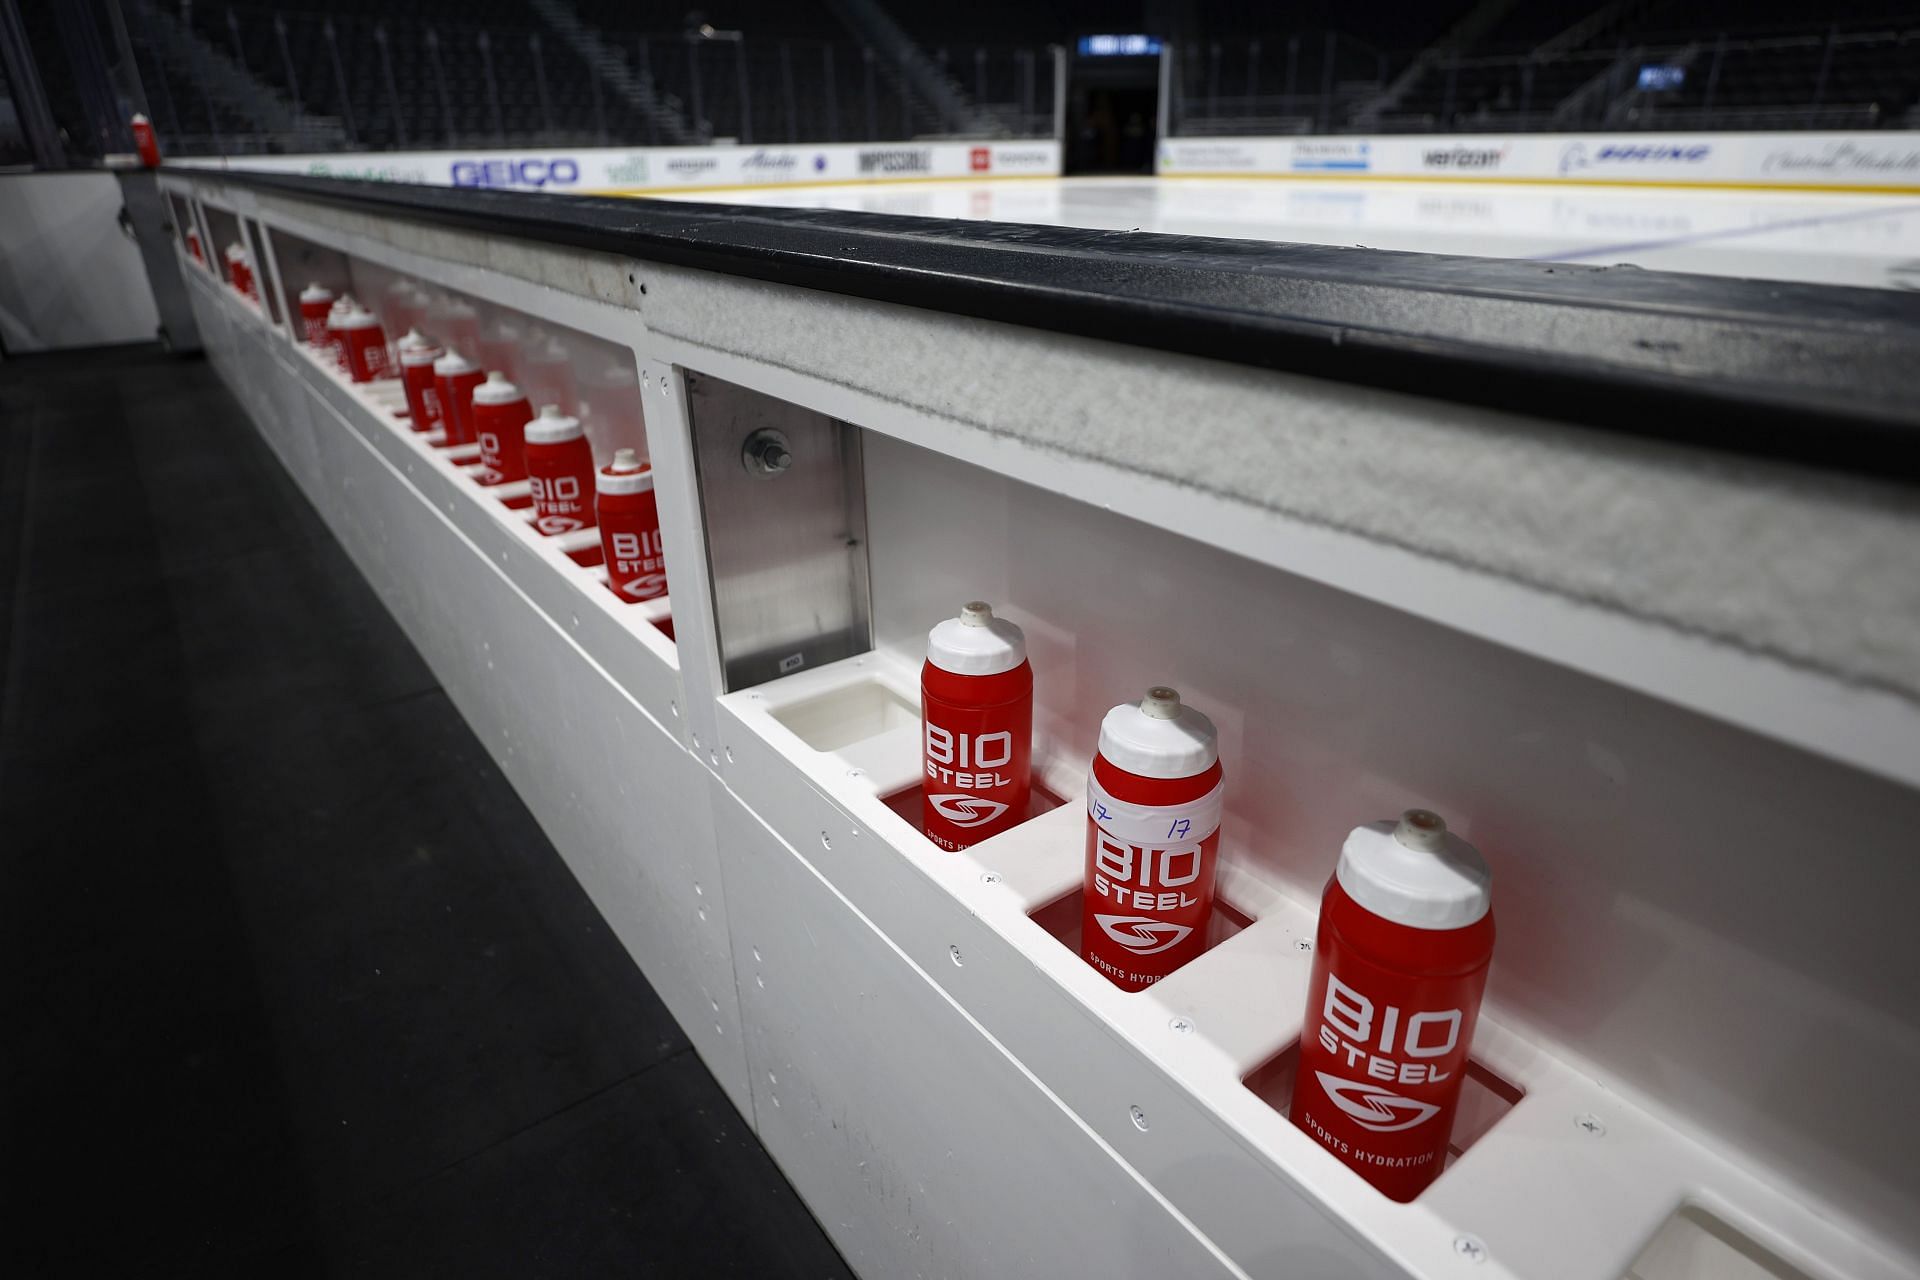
(1375, 1108)
(965, 810)
(1385, 1042)
(1578, 155)
(562, 172)
(1143, 935)
(980, 159)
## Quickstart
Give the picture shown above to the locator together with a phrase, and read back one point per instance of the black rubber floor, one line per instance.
(292, 983)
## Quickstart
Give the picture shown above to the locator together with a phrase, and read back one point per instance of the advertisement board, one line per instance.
(646, 170)
(1887, 161)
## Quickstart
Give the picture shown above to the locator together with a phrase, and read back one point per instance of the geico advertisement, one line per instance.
(670, 168)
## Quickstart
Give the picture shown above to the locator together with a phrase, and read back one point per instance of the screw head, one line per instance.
(953, 954)
(1470, 1248)
(1303, 944)
(1590, 1124)
(1138, 1117)
(989, 877)
(1181, 1026)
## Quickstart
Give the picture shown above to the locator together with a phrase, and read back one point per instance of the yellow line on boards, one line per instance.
(1461, 179)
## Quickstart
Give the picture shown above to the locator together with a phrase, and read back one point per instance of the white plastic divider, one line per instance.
(1570, 1183)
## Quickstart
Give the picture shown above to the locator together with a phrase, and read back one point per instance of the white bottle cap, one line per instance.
(316, 293)
(1159, 737)
(553, 427)
(1416, 873)
(417, 349)
(496, 390)
(976, 643)
(452, 365)
(359, 319)
(625, 474)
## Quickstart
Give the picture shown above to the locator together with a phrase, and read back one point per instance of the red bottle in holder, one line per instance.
(1399, 965)
(417, 354)
(500, 416)
(342, 307)
(145, 143)
(1154, 799)
(455, 377)
(193, 246)
(315, 302)
(630, 528)
(560, 472)
(976, 728)
(239, 270)
(366, 345)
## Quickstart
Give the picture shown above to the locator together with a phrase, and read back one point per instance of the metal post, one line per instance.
(340, 83)
(123, 49)
(1164, 125)
(833, 95)
(1060, 93)
(786, 93)
(239, 46)
(647, 82)
(166, 96)
(746, 101)
(440, 82)
(906, 97)
(1213, 81)
(540, 85)
(393, 89)
(700, 124)
(873, 108)
(286, 63)
(484, 43)
(1713, 75)
(1826, 65)
(1326, 84)
(599, 111)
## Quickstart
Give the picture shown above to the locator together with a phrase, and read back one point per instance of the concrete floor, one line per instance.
(293, 984)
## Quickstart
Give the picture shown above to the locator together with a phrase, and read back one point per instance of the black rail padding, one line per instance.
(1821, 375)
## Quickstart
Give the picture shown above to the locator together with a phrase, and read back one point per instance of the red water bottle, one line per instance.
(239, 272)
(145, 143)
(366, 345)
(1155, 796)
(417, 354)
(455, 377)
(193, 246)
(342, 307)
(500, 416)
(560, 472)
(976, 722)
(1399, 965)
(630, 528)
(315, 301)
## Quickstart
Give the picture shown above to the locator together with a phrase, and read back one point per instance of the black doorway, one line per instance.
(1112, 108)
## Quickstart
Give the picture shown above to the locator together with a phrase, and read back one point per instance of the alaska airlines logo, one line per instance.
(965, 810)
(1372, 1107)
(1143, 935)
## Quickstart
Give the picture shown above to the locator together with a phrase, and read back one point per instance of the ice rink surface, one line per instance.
(1868, 240)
